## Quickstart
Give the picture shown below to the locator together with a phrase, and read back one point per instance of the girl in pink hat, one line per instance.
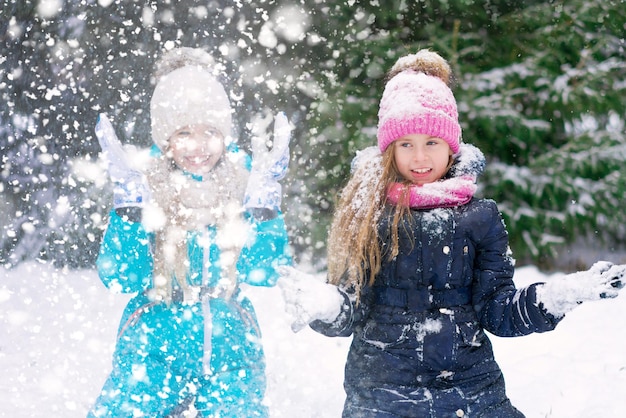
(419, 268)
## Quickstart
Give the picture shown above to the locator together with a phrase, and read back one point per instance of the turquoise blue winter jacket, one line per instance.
(224, 374)
(125, 260)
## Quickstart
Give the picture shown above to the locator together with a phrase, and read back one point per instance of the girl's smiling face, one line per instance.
(421, 158)
(196, 148)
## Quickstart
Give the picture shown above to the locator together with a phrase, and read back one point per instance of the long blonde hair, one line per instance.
(185, 204)
(354, 248)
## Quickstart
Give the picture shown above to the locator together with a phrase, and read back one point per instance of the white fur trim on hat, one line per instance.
(187, 96)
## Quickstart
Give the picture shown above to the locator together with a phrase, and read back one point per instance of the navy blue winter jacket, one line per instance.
(419, 348)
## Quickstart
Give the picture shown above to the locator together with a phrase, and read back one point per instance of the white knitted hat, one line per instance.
(188, 96)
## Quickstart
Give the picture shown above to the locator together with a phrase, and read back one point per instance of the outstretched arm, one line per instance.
(506, 311)
(502, 309)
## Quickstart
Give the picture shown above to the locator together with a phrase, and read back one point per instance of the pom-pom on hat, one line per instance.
(188, 95)
(417, 100)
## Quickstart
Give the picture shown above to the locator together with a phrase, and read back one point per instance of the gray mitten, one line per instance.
(268, 168)
(562, 294)
(307, 298)
(131, 188)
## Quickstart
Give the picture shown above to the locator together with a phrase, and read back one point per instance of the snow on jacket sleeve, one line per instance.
(502, 309)
(269, 249)
(125, 262)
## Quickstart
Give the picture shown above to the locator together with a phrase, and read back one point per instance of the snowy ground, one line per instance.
(57, 331)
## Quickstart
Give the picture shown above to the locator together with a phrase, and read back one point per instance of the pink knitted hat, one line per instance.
(417, 103)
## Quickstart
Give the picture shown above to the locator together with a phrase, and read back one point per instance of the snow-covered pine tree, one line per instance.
(550, 115)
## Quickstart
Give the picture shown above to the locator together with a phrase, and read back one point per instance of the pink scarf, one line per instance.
(447, 193)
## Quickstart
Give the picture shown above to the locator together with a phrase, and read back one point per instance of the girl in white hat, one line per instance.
(187, 229)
